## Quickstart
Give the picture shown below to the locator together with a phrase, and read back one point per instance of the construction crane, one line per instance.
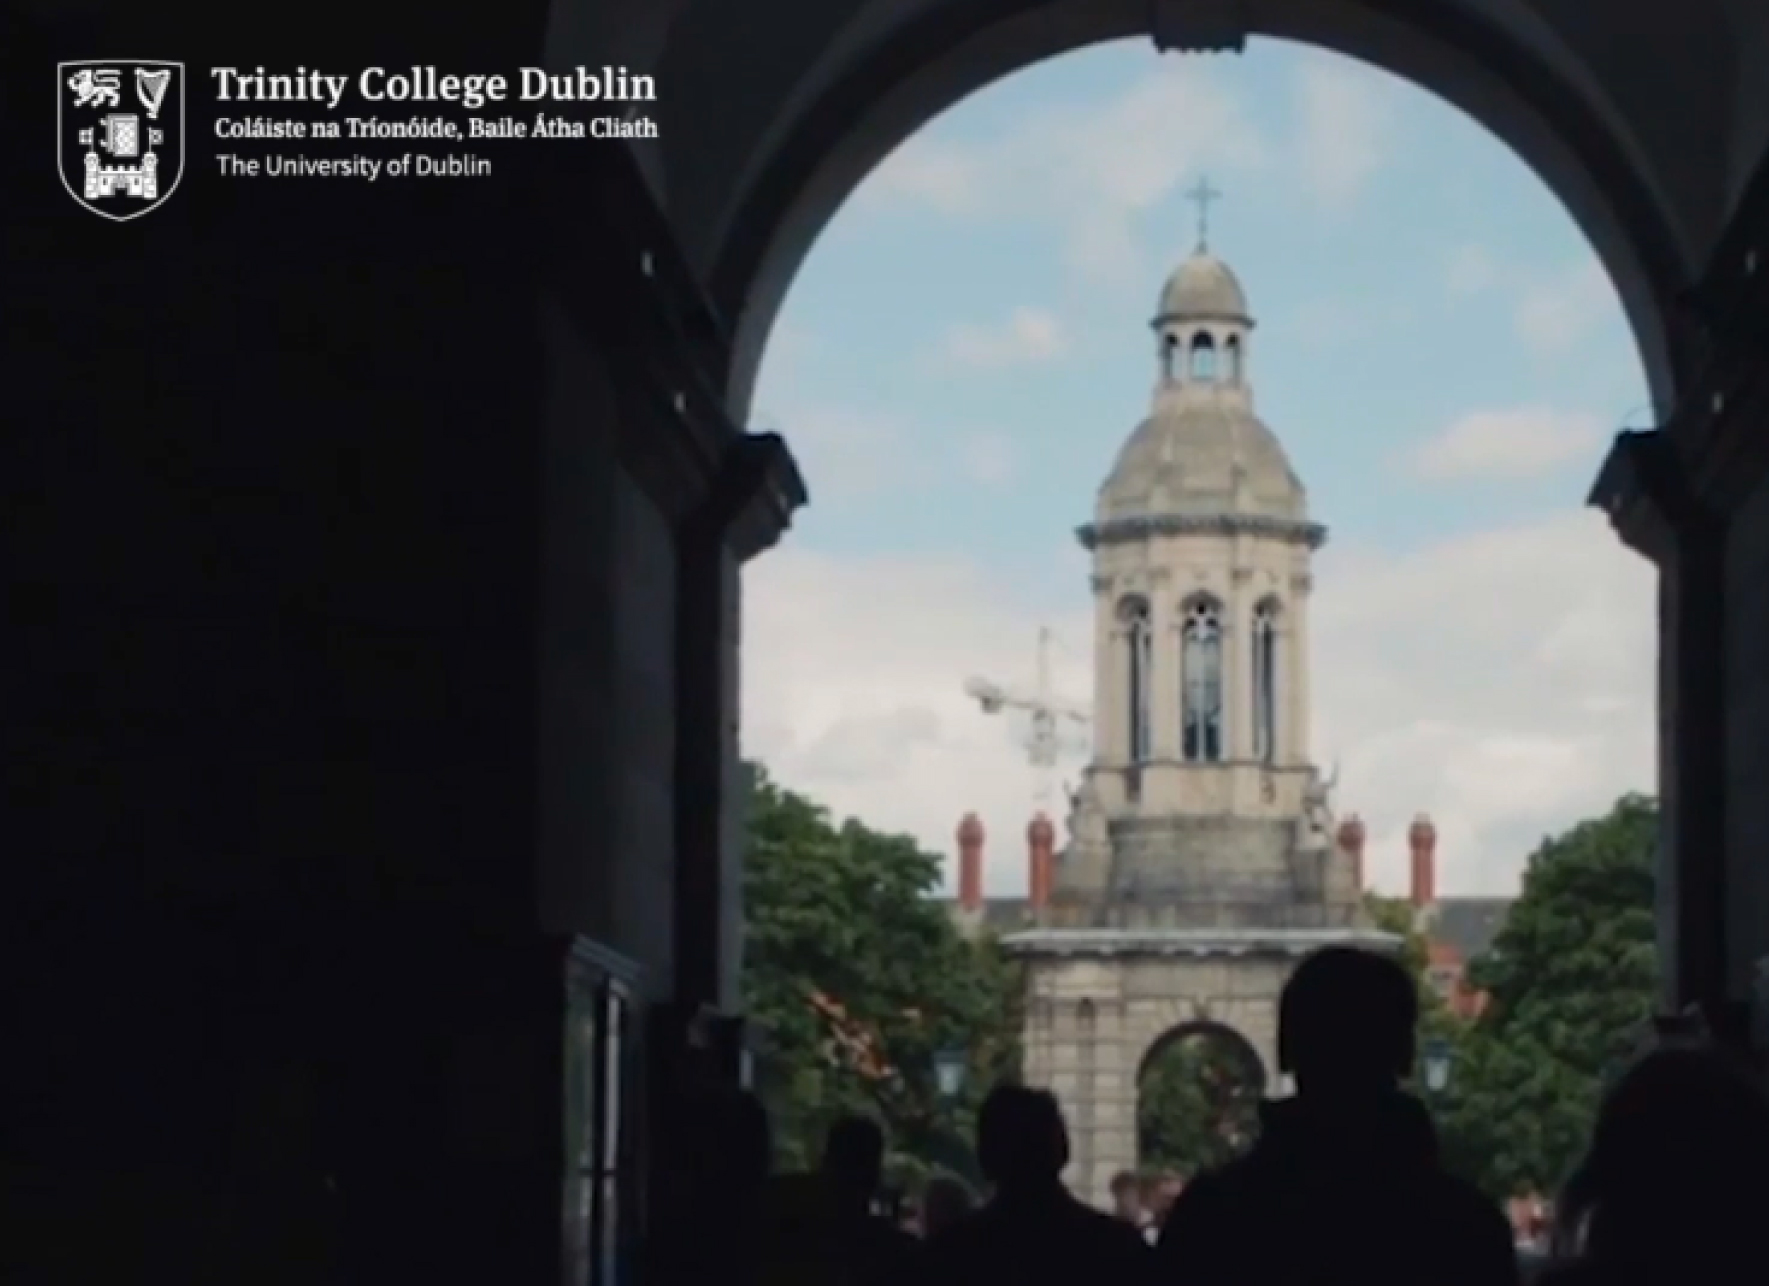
(1049, 716)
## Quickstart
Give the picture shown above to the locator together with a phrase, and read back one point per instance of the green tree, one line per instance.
(1395, 915)
(856, 977)
(1197, 1105)
(1571, 980)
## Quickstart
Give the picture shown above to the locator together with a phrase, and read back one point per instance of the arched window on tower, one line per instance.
(1231, 359)
(1169, 356)
(1265, 681)
(1201, 676)
(1133, 614)
(1203, 358)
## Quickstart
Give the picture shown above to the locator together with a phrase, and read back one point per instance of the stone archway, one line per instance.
(1099, 1001)
(1209, 1076)
(1656, 161)
(862, 98)
(771, 124)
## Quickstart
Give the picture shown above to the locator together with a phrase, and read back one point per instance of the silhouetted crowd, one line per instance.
(1343, 1185)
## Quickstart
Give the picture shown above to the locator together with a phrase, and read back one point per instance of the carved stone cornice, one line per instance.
(1117, 531)
(1714, 453)
(1644, 488)
(753, 495)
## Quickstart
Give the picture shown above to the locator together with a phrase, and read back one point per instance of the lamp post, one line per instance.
(949, 1071)
(1436, 1059)
(947, 1147)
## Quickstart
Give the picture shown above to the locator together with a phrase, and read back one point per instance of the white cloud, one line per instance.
(1501, 682)
(1111, 175)
(853, 681)
(1510, 445)
(1028, 335)
(1343, 130)
(1556, 311)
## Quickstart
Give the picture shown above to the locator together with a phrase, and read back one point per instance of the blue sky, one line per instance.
(1437, 348)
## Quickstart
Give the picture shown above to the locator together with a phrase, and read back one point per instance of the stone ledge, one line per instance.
(1114, 531)
(1193, 942)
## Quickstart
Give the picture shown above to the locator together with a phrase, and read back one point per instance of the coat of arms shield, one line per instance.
(120, 134)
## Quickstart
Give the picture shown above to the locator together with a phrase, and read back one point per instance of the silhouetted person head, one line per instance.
(1127, 1195)
(853, 1159)
(730, 1131)
(946, 1201)
(1678, 1165)
(1346, 1023)
(1022, 1142)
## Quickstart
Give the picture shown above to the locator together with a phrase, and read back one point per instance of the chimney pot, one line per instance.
(1041, 860)
(1422, 839)
(1352, 835)
(970, 863)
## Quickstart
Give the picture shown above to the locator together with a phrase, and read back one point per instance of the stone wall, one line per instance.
(1091, 1025)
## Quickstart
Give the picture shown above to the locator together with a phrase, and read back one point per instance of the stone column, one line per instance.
(1078, 1102)
(1256, 1021)
(748, 504)
(1040, 1034)
(1237, 634)
(1113, 1095)
(1293, 673)
(1688, 497)
(1747, 750)
(1111, 735)
(1646, 492)
(1164, 653)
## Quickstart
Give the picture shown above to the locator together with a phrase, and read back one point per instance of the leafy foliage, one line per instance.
(856, 978)
(1571, 980)
(1197, 1105)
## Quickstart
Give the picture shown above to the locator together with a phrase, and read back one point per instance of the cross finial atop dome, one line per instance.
(1203, 194)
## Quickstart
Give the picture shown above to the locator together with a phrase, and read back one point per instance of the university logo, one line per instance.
(120, 134)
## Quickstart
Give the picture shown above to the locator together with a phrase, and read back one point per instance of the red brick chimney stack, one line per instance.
(1422, 840)
(1041, 859)
(970, 863)
(1351, 841)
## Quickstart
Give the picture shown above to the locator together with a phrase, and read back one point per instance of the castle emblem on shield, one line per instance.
(120, 134)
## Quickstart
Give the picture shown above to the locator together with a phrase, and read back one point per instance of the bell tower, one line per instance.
(1202, 858)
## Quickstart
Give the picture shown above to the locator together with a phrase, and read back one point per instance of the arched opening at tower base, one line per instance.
(1197, 1099)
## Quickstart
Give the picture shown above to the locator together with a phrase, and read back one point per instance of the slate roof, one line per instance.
(1468, 925)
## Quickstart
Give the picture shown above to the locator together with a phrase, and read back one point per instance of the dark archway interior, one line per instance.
(373, 560)
(1197, 1099)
